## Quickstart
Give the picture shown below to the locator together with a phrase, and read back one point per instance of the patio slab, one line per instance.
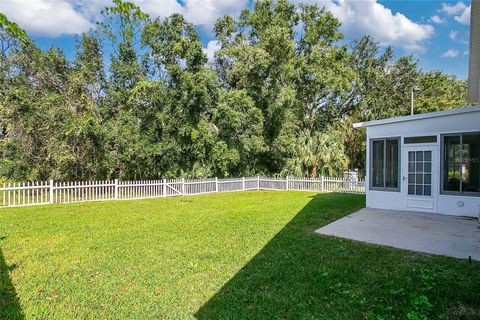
(452, 236)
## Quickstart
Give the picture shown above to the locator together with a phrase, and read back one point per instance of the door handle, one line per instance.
(404, 178)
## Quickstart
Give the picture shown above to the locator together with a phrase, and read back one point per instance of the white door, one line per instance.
(420, 178)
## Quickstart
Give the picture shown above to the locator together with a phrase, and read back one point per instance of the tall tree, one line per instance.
(439, 91)
(11, 38)
(33, 111)
(286, 60)
(121, 30)
(186, 137)
(83, 137)
(381, 89)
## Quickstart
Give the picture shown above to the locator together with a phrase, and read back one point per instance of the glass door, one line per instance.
(418, 178)
(420, 173)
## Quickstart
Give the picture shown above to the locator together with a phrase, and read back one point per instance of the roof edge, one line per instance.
(420, 116)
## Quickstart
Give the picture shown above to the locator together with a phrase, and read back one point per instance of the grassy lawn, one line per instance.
(244, 255)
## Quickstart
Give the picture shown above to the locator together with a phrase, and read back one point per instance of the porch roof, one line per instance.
(443, 113)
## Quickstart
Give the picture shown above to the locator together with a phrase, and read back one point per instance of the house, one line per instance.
(427, 162)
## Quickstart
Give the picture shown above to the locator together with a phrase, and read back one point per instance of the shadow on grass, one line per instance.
(302, 275)
(279, 281)
(9, 303)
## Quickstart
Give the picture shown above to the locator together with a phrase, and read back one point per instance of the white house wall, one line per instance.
(384, 200)
(446, 204)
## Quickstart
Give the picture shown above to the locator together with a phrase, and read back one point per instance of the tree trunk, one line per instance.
(312, 171)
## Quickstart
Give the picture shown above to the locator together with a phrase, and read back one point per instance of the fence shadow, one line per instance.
(9, 303)
(282, 280)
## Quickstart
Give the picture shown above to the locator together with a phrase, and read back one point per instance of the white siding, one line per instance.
(455, 123)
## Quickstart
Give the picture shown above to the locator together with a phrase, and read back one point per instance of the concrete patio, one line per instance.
(452, 236)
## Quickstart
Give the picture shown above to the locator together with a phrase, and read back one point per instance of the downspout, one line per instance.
(474, 56)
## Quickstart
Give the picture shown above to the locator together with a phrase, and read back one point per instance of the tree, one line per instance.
(32, 112)
(11, 39)
(185, 137)
(323, 82)
(382, 84)
(121, 29)
(83, 137)
(439, 91)
(318, 154)
(380, 89)
(279, 97)
(10, 35)
(240, 125)
(286, 61)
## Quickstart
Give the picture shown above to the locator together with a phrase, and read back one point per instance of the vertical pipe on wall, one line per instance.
(474, 56)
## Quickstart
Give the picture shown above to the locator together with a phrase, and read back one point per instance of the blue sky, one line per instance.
(435, 32)
(447, 49)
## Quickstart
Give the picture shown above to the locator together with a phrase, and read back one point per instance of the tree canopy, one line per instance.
(278, 98)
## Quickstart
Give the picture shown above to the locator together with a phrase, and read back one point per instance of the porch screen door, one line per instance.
(418, 178)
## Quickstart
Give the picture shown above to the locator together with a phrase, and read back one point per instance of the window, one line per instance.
(461, 164)
(422, 139)
(385, 161)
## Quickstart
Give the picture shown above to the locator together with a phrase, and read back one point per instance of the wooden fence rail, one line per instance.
(51, 192)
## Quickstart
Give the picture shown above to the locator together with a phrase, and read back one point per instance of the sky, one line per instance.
(436, 32)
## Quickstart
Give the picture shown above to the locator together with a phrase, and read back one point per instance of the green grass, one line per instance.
(248, 255)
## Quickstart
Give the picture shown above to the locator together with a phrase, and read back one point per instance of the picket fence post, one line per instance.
(164, 187)
(183, 186)
(51, 191)
(286, 183)
(216, 184)
(243, 183)
(322, 187)
(258, 182)
(116, 189)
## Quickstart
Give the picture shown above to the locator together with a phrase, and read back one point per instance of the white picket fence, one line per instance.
(52, 192)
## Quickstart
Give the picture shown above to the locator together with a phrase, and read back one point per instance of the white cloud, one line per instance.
(458, 37)
(464, 18)
(373, 18)
(460, 11)
(55, 17)
(90, 9)
(453, 35)
(451, 53)
(199, 12)
(206, 12)
(211, 48)
(159, 8)
(49, 18)
(453, 9)
(436, 19)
